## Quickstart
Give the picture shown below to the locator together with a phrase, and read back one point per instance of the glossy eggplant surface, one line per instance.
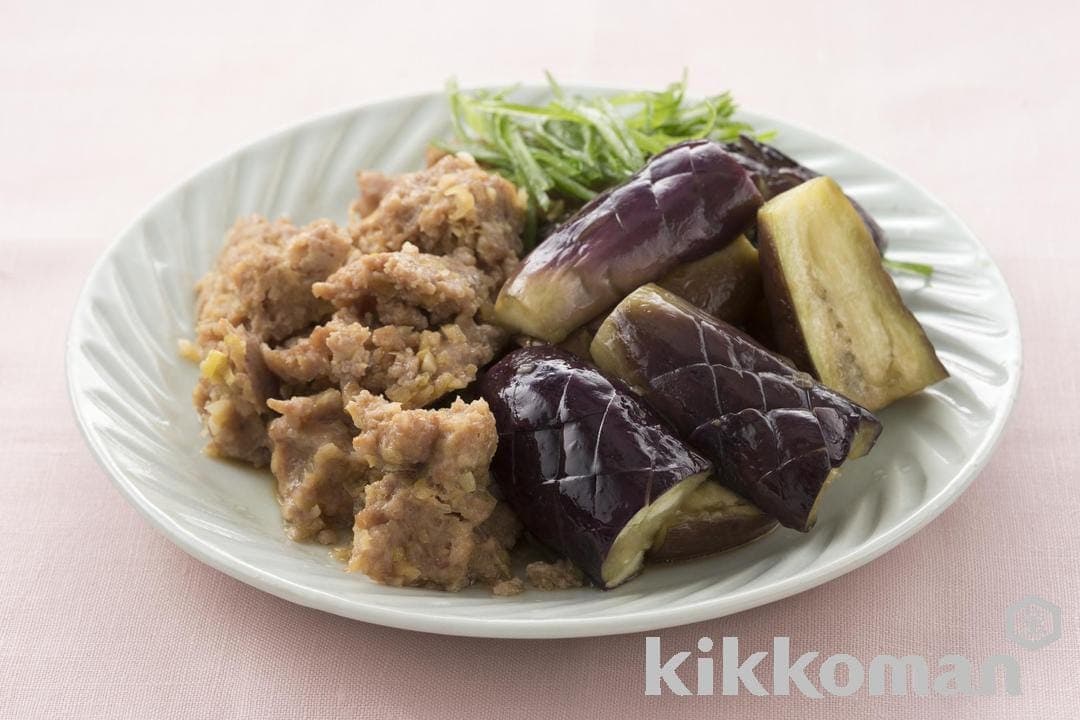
(725, 284)
(774, 434)
(589, 469)
(774, 173)
(688, 201)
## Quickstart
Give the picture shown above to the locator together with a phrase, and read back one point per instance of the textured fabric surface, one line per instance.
(105, 105)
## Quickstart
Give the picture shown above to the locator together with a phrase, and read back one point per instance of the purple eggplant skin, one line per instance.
(579, 454)
(774, 172)
(773, 433)
(688, 201)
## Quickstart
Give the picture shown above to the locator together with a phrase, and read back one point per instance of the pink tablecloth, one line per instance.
(105, 105)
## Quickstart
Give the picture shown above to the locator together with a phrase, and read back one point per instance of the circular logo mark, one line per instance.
(1032, 622)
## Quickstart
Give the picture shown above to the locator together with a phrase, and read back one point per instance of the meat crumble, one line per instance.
(430, 514)
(452, 208)
(262, 279)
(321, 351)
(558, 575)
(233, 389)
(407, 326)
(319, 477)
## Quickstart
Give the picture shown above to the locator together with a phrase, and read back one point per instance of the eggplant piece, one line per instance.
(688, 201)
(774, 435)
(726, 284)
(774, 173)
(760, 326)
(578, 342)
(589, 469)
(836, 311)
(711, 519)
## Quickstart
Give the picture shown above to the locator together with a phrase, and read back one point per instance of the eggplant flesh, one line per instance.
(774, 434)
(725, 284)
(589, 469)
(836, 311)
(688, 201)
(710, 520)
(774, 173)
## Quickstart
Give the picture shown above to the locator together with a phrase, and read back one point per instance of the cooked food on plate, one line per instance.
(725, 284)
(836, 312)
(590, 335)
(775, 434)
(689, 200)
(591, 471)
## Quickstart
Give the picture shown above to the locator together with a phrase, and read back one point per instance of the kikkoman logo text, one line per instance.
(720, 668)
(839, 674)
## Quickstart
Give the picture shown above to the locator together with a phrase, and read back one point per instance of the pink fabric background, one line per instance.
(104, 105)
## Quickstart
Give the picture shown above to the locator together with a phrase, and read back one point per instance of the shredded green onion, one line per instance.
(565, 151)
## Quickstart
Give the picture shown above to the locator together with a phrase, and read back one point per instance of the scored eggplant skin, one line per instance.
(835, 311)
(725, 284)
(581, 459)
(774, 434)
(774, 173)
(689, 200)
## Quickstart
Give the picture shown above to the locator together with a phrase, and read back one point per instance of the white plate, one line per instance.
(131, 392)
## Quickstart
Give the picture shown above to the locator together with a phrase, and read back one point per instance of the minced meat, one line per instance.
(508, 588)
(451, 208)
(558, 575)
(407, 287)
(234, 385)
(262, 279)
(413, 367)
(430, 519)
(319, 477)
(336, 353)
(417, 368)
(406, 326)
(319, 350)
(373, 186)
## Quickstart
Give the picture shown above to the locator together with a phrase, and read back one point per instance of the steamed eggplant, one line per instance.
(774, 173)
(774, 435)
(689, 200)
(835, 310)
(588, 468)
(711, 519)
(725, 284)
(760, 325)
